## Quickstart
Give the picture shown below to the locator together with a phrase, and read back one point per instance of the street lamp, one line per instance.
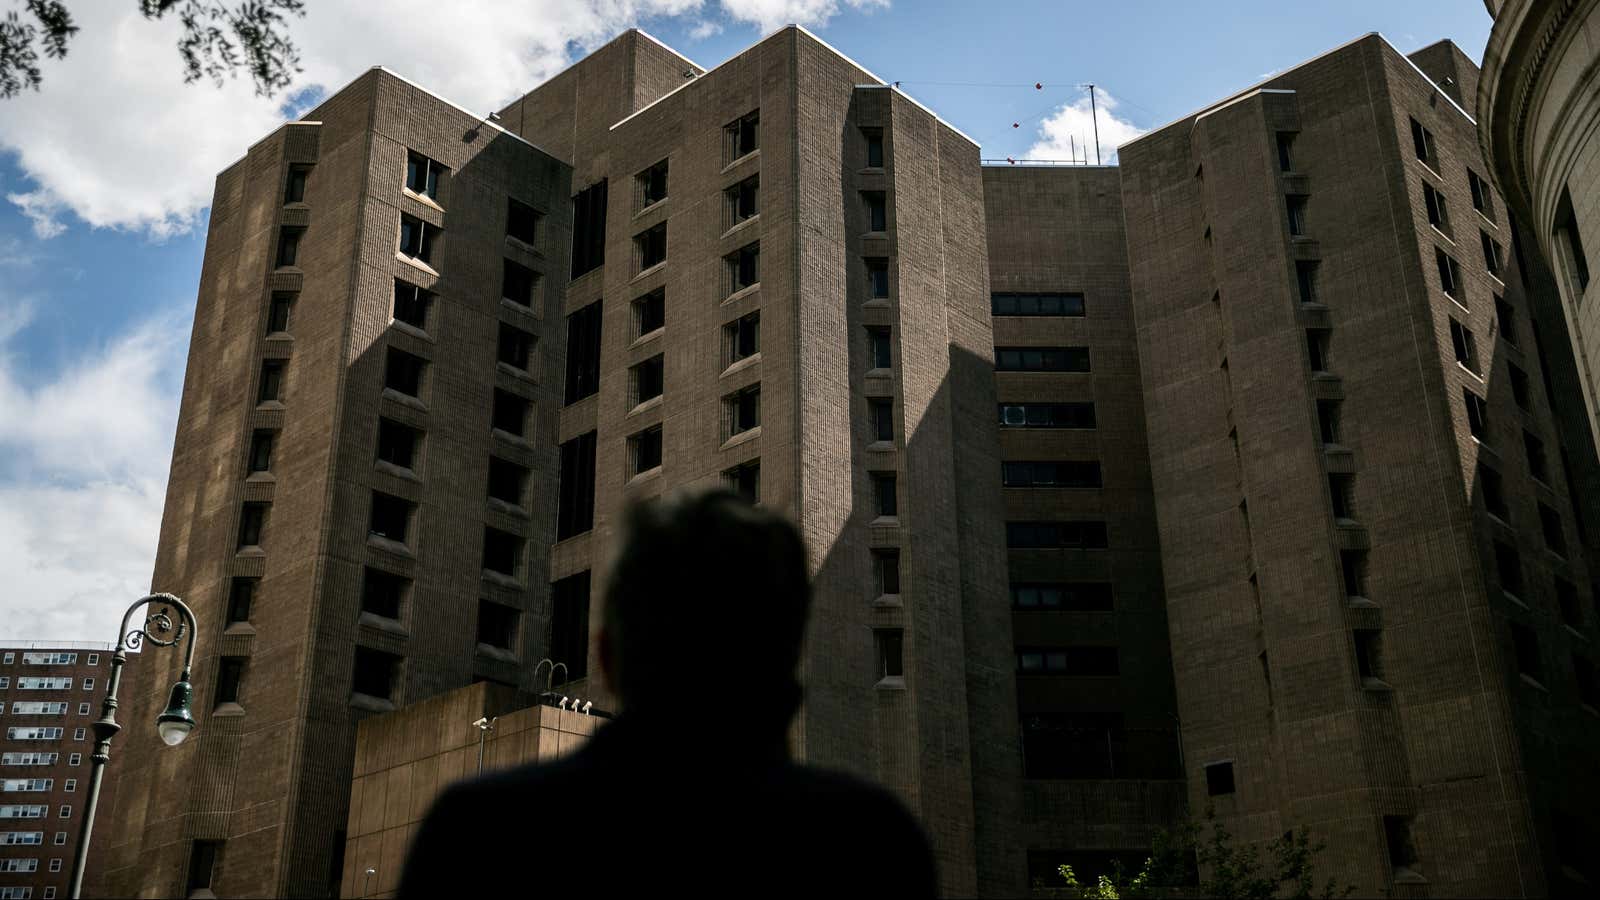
(174, 723)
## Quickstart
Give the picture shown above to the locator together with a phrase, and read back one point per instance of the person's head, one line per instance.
(708, 595)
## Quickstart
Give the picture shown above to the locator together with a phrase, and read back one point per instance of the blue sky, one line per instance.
(102, 222)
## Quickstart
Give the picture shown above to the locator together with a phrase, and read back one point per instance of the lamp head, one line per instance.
(176, 721)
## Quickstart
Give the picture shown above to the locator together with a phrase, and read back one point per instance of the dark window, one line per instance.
(1297, 213)
(252, 520)
(397, 443)
(1083, 535)
(506, 481)
(1422, 144)
(375, 673)
(1438, 213)
(289, 245)
(886, 568)
(885, 496)
(522, 222)
(1041, 359)
(647, 379)
(1047, 415)
(1369, 662)
(271, 387)
(261, 450)
(653, 184)
(650, 312)
(569, 624)
(1519, 386)
(1526, 646)
(1318, 345)
(1341, 491)
(278, 313)
(881, 412)
(510, 413)
(1494, 495)
(1053, 474)
(583, 353)
(743, 337)
(880, 348)
(1537, 467)
(576, 502)
(1508, 566)
(1477, 415)
(1088, 596)
(1466, 348)
(877, 210)
(744, 200)
(1219, 777)
(1482, 195)
(391, 517)
(891, 652)
(1285, 151)
(241, 594)
(515, 348)
(1506, 315)
(1036, 304)
(589, 229)
(502, 551)
(1397, 837)
(644, 450)
(411, 304)
(1353, 568)
(382, 593)
(497, 625)
(1583, 673)
(874, 147)
(1081, 662)
(230, 675)
(422, 175)
(744, 410)
(1570, 240)
(517, 283)
(745, 480)
(1493, 255)
(403, 372)
(744, 135)
(294, 190)
(1305, 273)
(1449, 276)
(417, 238)
(1077, 745)
(202, 863)
(1567, 603)
(1328, 420)
(1554, 537)
(652, 246)
(878, 278)
(744, 266)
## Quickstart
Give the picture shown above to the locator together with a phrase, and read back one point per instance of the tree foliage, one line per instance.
(1285, 867)
(219, 39)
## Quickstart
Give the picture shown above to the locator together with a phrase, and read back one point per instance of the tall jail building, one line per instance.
(1379, 599)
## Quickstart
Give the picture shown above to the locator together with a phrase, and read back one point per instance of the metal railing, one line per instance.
(56, 645)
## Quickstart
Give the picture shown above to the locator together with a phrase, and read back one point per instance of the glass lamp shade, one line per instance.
(175, 722)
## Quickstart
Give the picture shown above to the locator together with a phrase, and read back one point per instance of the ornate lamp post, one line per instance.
(174, 723)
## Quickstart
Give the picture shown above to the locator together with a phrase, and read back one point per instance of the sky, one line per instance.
(106, 175)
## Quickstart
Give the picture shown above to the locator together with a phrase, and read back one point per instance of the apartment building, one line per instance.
(50, 694)
(1377, 586)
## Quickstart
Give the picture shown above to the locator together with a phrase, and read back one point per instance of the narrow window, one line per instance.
(1508, 567)
(1555, 539)
(1353, 568)
(1537, 467)
(271, 388)
(745, 480)
(411, 304)
(252, 520)
(880, 348)
(497, 625)
(1297, 214)
(515, 347)
(1477, 415)
(294, 190)
(886, 499)
(1494, 493)
(1422, 144)
(390, 517)
(510, 413)
(1438, 214)
(1493, 255)
(1402, 852)
(289, 246)
(1449, 276)
(1341, 490)
(644, 450)
(1569, 242)
(744, 267)
(1317, 347)
(261, 450)
(517, 283)
(507, 481)
(569, 624)
(877, 210)
(1583, 672)
(403, 372)
(886, 568)
(1526, 646)
(417, 238)
(653, 184)
(1286, 151)
(230, 675)
(1328, 421)
(881, 412)
(651, 246)
(743, 136)
(1567, 603)
(278, 313)
(743, 337)
(522, 222)
(647, 379)
(1369, 662)
(589, 229)
(583, 353)
(1506, 315)
(878, 278)
(1305, 273)
(502, 552)
(1466, 348)
(650, 312)
(422, 175)
(1219, 778)
(1482, 195)
(397, 443)
(891, 650)
(375, 673)
(241, 594)
(383, 594)
(874, 137)
(202, 862)
(575, 505)
(744, 200)
(743, 410)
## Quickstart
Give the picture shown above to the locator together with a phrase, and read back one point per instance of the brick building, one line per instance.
(1233, 437)
(50, 694)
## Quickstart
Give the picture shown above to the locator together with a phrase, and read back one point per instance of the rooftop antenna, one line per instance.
(1094, 116)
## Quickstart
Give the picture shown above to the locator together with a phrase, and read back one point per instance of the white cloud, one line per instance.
(116, 139)
(83, 469)
(1070, 130)
(703, 29)
(13, 254)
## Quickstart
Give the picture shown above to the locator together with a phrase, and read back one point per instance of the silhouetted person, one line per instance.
(690, 790)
